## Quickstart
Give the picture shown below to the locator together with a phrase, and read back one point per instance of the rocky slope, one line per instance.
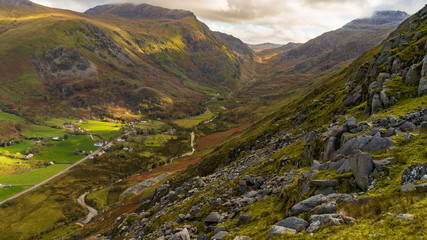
(321, 167)
(143, 58)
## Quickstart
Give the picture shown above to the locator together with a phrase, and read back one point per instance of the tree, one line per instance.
(66, 136)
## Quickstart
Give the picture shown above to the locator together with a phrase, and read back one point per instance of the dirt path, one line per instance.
(92, 211)
(193, 136)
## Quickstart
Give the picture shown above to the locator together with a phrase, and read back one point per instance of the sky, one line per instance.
(259, 21)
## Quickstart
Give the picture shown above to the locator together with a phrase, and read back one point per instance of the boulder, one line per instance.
(309, 204)
(422, 87)
(361, 166)
(314, 226)
(342, 197)
(376, 104)
(354, 97)
(365, 143)
(243, 219)
(424, 68)
(278, 230)
(243, 186)
(294, 223)
(345, 167)
(404, 217)
(309, 137)
(219, 235)
(413, 173)
(350, 122)
(251, 194)
(329, 148)
(408, 127)
(326, 209)
(328, 219)
(213, 218)
(182, 235)
(221, 229)
(412, 77)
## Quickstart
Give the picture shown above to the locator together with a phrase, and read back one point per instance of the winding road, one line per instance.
(92, 211)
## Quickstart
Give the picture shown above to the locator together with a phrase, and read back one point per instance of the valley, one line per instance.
(131, 121)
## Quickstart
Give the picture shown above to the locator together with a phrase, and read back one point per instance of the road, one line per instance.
(92, 211)
(193, 136)
(59, 173)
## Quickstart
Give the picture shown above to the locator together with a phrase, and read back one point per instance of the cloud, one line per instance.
(278, 21)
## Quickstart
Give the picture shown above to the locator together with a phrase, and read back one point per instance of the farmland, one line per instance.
(194, 121)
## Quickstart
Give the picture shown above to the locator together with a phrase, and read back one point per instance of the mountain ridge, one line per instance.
(139, 11)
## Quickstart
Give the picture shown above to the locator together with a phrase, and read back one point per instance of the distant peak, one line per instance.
(17, 3)
(380, 18)
(141, 11)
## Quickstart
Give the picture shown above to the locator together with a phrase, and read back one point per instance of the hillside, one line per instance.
(319, 167)
(153, 63)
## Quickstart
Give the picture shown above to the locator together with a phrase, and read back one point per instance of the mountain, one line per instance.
(144, 58)
(263, 46)
(325, 53)
(336, 47)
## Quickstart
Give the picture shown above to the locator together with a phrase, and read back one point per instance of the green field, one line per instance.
(6, 193)
(194, 121)
(63, 151)
(104, 129)
(20, 147)
(157, 140)
(43, 132)
(150, 124)
(58, 121)
(11, 117)
(33, 177)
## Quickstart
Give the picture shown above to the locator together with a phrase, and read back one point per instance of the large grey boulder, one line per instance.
(309, 137)
(309, 204)
(424, 69)
(365, 143)
(327, 208)
(413, 173)
(376, 104)
(422, 87)
(412, 77)
(183, 235)
(329, 148)
(294, 223)
(350, 122)
(219, 235)
(213, 218)
(361, 166)
(278, 230)
(408, 127)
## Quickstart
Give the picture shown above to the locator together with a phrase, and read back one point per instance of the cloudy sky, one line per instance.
(258, 21)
